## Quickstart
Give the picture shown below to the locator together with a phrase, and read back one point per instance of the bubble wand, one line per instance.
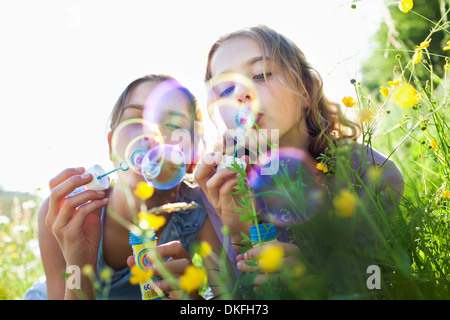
(122, 166)
(101, 182)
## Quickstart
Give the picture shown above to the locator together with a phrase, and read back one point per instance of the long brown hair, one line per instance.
(324, 119)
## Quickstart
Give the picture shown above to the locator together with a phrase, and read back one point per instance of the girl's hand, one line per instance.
(290, 259)
(75, 221)
(217, 186)
(177, 260)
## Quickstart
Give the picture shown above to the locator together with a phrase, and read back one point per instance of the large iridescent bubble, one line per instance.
(132, 139)
(172, 108)
(164, 166)
(284, 181)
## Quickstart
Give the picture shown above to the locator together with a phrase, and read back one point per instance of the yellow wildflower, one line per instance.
(393, 83)
(405, 5)
(204, 250)
(384, 91)
(446, 194)
(140, 276)
(374, 174)
(271, 258)
(406, 96)
(88, 270)
(322, 167)
(299, 270)
(434, 144)
(106, 274)
(417, 57)
(447, 47)
(150, 220)
(348, 102)
(144, 190)
(424, 44)
(345, 204)
(192, 279)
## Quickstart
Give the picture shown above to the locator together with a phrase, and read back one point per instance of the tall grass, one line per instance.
(20, 263)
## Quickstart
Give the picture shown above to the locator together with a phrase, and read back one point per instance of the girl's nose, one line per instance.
(243, 94)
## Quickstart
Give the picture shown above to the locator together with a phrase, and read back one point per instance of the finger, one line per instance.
(247, 265)
(82, 200)
(130, 261)
(176, 267)
(163, 284)
(226, 188)
(214, 184)
(172, 249)
(58, 194)
(64, 175)
(247, 261)
(84, 211)
(67, 186)
(206, 169)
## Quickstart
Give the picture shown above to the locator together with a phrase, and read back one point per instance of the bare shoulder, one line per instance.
(368, 157)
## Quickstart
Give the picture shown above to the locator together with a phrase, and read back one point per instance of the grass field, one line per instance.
(20, 263)
(407, 120)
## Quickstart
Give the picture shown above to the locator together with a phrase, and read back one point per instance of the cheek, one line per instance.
(291, 107)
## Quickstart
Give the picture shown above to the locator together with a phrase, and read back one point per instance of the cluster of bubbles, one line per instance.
(283, 179)
(140, 142)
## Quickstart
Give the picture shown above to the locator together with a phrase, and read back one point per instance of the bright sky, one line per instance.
(64, 63)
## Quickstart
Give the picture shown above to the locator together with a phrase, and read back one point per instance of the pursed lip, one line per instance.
(258, 118)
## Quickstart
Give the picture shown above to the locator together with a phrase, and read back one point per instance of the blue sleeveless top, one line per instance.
(182, 226)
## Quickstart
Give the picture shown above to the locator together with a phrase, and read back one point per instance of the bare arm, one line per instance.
(52, 257)
(69, 233)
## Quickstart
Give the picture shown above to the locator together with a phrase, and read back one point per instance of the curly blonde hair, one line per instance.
(324, 119)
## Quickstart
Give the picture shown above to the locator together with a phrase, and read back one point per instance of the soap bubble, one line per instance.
(138, 148)
(284, 182)
(132, 139)
(244, 119)
(164, 166)
(226, 107)
(159, 145)
(172, 108)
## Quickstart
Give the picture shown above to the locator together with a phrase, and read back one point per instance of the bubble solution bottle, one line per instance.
(141, 246)
(267, 234)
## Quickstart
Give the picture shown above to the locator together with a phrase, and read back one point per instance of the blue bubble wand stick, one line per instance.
(122, 166)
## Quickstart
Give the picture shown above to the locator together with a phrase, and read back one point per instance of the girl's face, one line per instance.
(279, 108)
(174, 113)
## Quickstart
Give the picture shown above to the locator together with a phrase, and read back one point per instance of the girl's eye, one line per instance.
(227, 91)
(262, 76)
(172, 126)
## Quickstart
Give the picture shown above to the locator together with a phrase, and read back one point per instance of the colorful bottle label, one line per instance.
(140, 257)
